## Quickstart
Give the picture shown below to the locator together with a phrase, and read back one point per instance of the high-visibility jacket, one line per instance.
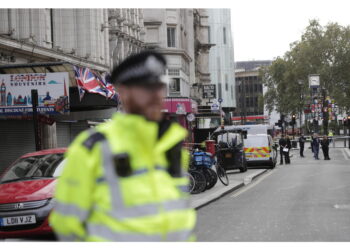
(124, 182)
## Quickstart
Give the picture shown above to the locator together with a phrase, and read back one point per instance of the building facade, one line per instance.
(41, 41)
(221, 57)
(249, 92)
(171, 32)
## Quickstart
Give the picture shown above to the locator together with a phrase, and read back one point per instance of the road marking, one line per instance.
(246, 188)
(343, 206)
(345, 154)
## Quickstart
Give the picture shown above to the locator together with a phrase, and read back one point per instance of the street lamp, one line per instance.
(301, 105)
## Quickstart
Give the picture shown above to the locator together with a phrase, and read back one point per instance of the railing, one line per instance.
(335, 142)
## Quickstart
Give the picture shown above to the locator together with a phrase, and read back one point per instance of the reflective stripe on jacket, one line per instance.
(98, 200)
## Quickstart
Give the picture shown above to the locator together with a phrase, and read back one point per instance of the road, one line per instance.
(308, 200)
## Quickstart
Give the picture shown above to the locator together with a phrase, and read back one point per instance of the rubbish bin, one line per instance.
(294, 144)
(210, 146)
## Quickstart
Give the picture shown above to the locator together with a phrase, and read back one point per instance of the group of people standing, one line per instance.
(315, 146)
(285, 146)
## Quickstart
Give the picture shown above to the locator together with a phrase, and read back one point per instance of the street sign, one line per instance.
(314, 81)
(209, 91)
(190, 117)
(215, 107)
(220, 100)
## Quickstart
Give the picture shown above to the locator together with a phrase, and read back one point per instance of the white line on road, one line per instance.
(252, 185)
(345, 154)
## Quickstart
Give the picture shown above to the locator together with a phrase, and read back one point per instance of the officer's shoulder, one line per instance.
(96, 135)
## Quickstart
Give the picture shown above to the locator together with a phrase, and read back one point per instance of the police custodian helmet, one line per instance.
(144, 68)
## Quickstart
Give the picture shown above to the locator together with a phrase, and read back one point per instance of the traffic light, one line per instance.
(345, 121)
(293, 119)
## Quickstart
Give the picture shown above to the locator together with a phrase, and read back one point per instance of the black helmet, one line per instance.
(144, 68)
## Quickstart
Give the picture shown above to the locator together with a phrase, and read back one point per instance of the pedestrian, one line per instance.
(124, 180)
(287, 152)
(283, 150)
(330, 136)
(315, 145)
(325, 147)
(302, 140)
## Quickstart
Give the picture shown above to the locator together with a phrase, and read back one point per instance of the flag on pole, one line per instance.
(94, 82)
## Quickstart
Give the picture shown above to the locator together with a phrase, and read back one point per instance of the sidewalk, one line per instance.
(236, 181)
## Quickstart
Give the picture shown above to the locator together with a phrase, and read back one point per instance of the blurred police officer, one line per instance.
(124, 180)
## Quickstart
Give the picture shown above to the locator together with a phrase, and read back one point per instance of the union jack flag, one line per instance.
(92, 82)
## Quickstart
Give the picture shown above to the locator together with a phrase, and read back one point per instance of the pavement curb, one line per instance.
(231, 189)
(238, 186)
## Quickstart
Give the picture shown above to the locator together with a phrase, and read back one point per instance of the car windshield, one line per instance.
(40, 166)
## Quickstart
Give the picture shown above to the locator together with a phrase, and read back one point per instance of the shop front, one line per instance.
(62, 110)
(181, 110)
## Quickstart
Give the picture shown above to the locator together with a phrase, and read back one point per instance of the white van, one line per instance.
(259, 149)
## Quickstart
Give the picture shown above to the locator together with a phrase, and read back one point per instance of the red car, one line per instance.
(26, 192)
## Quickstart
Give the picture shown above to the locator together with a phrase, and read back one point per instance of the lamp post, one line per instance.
(301, 105)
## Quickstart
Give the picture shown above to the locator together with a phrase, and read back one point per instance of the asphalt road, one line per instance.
(308, 200)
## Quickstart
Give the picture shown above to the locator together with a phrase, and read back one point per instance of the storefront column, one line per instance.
(49, 136)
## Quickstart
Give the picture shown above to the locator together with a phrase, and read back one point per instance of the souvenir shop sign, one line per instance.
(15, 93)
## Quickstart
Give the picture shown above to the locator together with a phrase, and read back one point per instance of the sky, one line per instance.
(262, 29)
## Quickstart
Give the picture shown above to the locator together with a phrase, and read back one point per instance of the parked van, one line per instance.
(260, 149)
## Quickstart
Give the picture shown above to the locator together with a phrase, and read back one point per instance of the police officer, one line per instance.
(283, 144)
(124, 180)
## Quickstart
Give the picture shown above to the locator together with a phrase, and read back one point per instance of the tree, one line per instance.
(321, 50)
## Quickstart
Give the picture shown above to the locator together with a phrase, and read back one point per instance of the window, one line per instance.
(219, 90)
(173, 72)
(209, 34)
(232, 92)
(174, 85)
(226, 82)
(171, 36)
(224, 35)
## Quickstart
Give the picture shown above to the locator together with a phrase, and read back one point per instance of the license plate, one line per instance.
(18, 220)
(228, 155)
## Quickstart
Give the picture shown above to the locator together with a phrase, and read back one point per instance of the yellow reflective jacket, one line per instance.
(124, 182)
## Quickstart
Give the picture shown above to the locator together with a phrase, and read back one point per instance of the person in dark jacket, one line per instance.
(289, 146)
(325, 147)
(315, 145)
(283, 148)
(302, 140)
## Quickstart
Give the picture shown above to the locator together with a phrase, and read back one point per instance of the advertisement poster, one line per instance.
(53, 93)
